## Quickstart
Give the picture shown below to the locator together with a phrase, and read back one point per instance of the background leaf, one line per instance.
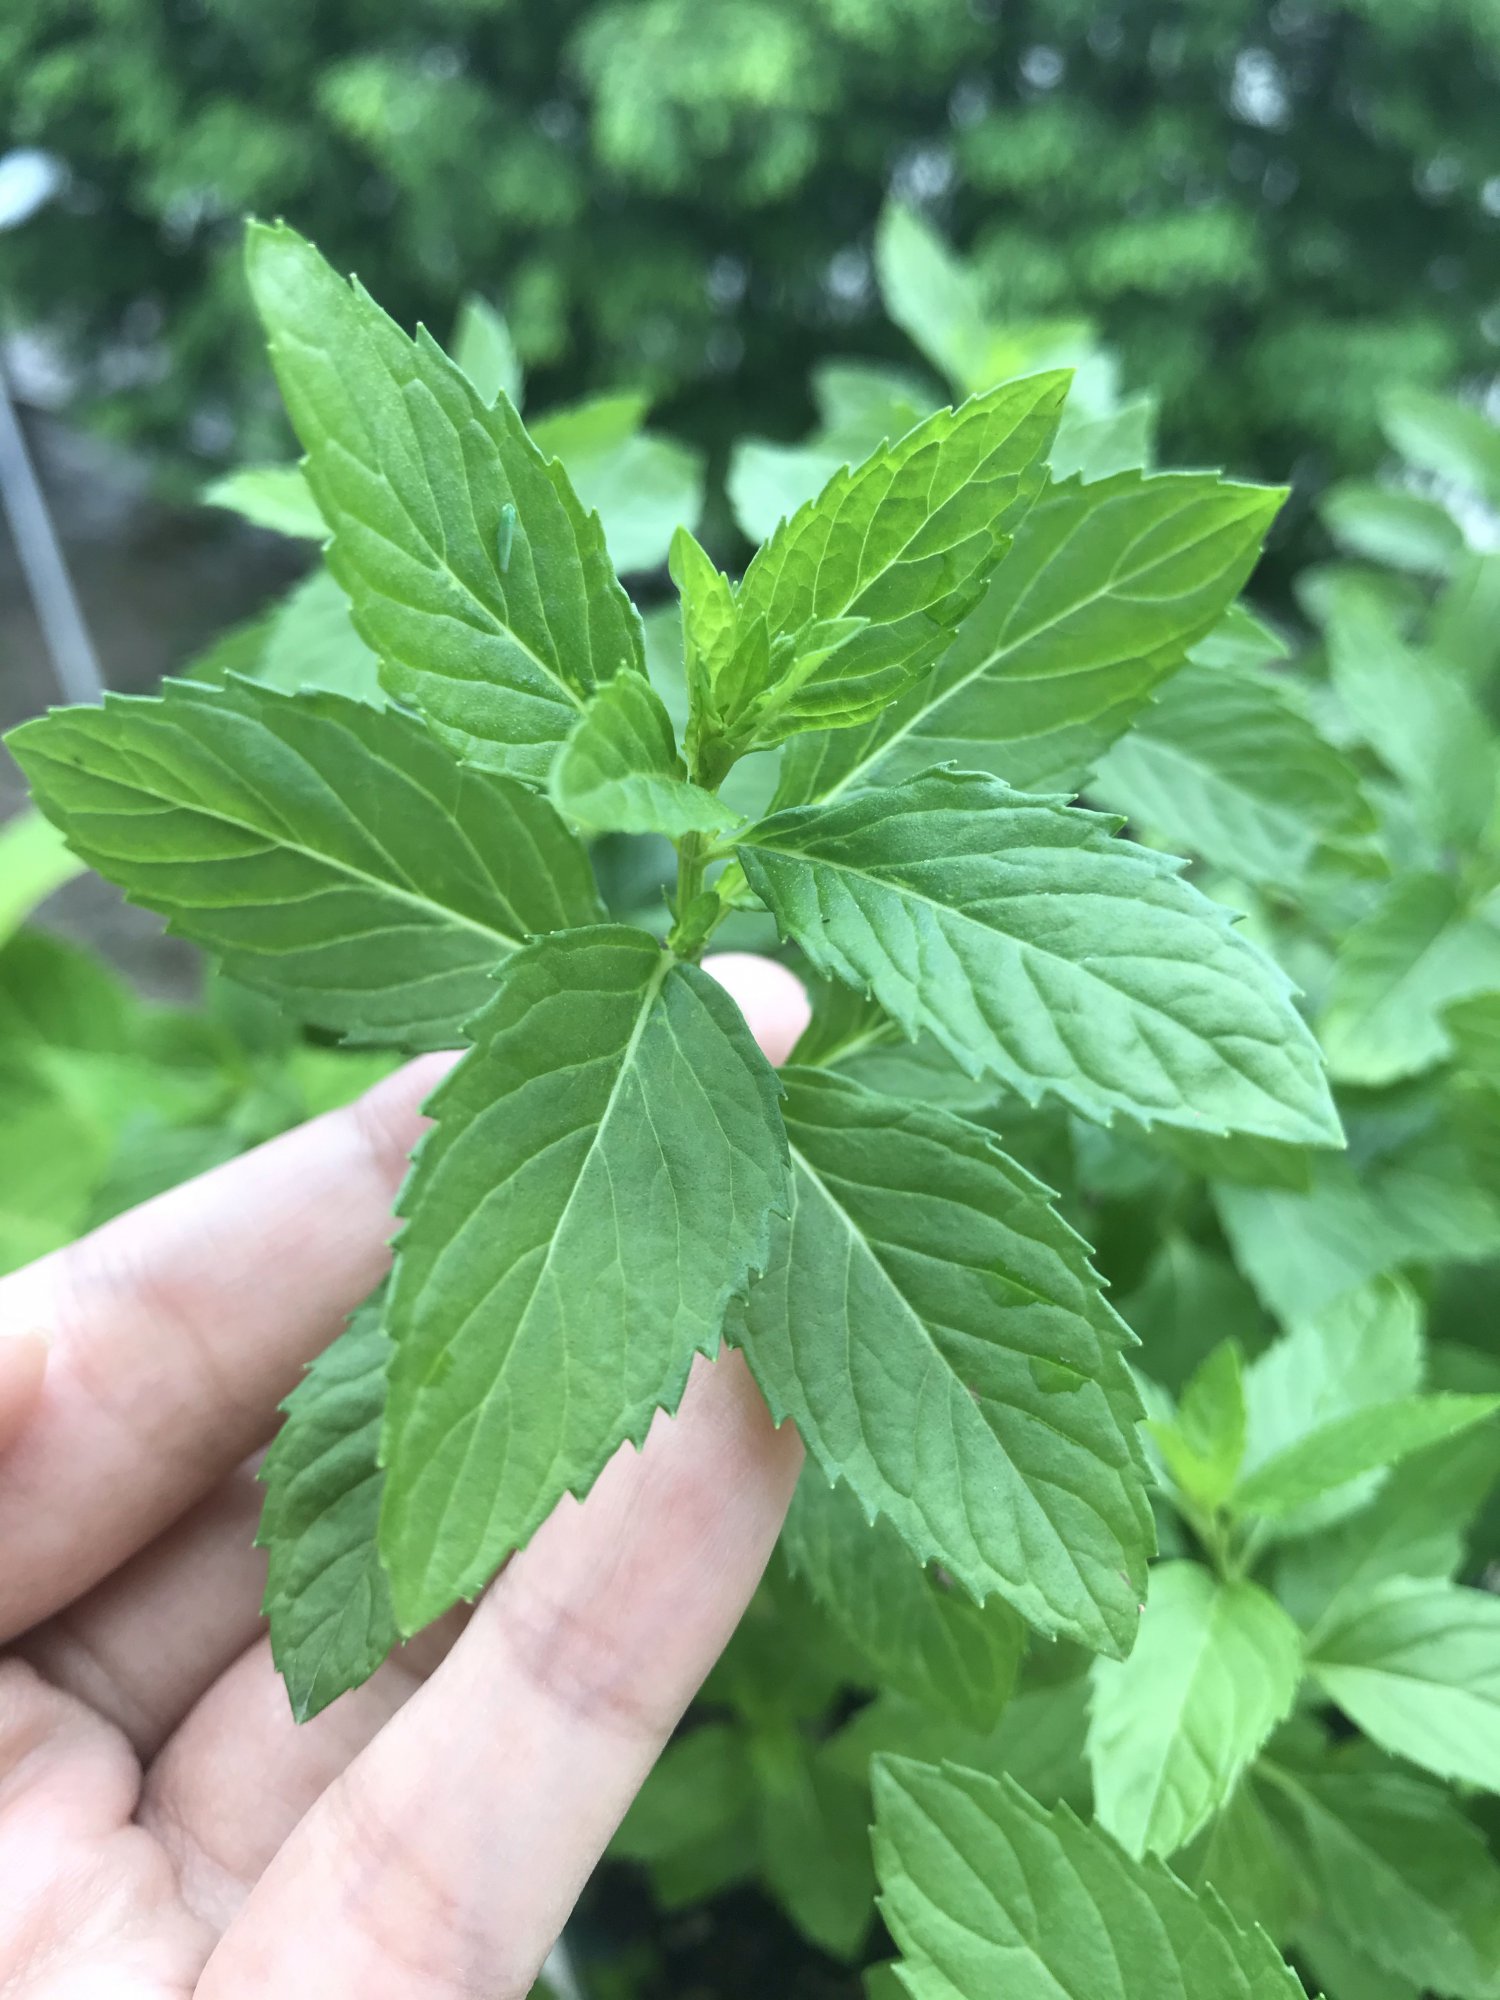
(1214, 1669)
(920, 1635)
(1417, 1666)
(985, 1892)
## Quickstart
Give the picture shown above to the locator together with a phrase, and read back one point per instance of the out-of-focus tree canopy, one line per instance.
(1271, 209)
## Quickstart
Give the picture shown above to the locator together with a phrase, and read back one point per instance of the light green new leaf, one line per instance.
(1036, 946)
(1365, 1441)
(1399, 1871)
(333, 854)
(1414, 1527)
(482, 347)
(1225, 764)
(1444, 436)
(1365, 1347)
(1204, 1446)
(1397, 971)
(473, 569)
(1417, 1666)
(310, 643)
(271, 496)
(34, 861)
(643, 487)
(1103, 592)
(1389, 526)
(326, 1594)
(936, 1331)
(919, 1635)
(903, 543)
(598, 1186)
(1174, 1726)
(1418, 712)
(619, 771)
(986, 1893)
(934, 298)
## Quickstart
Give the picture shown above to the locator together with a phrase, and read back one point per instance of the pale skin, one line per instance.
(165, 1828)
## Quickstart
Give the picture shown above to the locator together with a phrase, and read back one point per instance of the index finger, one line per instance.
(177, 1329)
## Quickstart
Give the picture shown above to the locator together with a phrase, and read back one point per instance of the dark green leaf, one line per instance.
(334, 854)
(598, 1186)
(326, 1594)
(1035, 945)
(936, 1332)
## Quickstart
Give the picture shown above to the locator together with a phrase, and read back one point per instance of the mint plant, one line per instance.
(933, 654)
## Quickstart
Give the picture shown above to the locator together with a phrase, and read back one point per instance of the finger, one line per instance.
(23, 1363)
(446, 1859)
(178, 1328)
(141, 1647)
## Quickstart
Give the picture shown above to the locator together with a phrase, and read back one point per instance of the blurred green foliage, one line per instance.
(1271, 208)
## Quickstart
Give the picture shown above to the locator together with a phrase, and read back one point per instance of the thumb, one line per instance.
(773, 1001)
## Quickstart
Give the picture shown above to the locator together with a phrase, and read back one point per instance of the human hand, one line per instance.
(165, 1828)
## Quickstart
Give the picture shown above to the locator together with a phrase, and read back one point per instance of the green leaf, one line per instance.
(1401, 1873)
(1034, 945)
(1245, 1858)
(919, 1635)
(700, 1784)
(1414, 1527)
(1419, 714)
(483, 349)
(1442, 435)
(986, 1893)
(310, 643)
(937, 1334)
(1204, 1446)
(1365, 1347)
(934, 298)
(1364, 1441)
(643, 487)
(903, 543)
(1174, 1727)
(1417, 1666)
(473, 570)
(815, 1846)
(1385, 525)
(861, 404)
(52, 1155)
(271, 496)
(1188, 1295)
(1225, 764)
(619, 771)
(1101, 596)
(1397, 972)
(326, 1594)
(34, 861)
(599, 1185)
(1340, 1971)
(335, 855)
(1239, 640)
